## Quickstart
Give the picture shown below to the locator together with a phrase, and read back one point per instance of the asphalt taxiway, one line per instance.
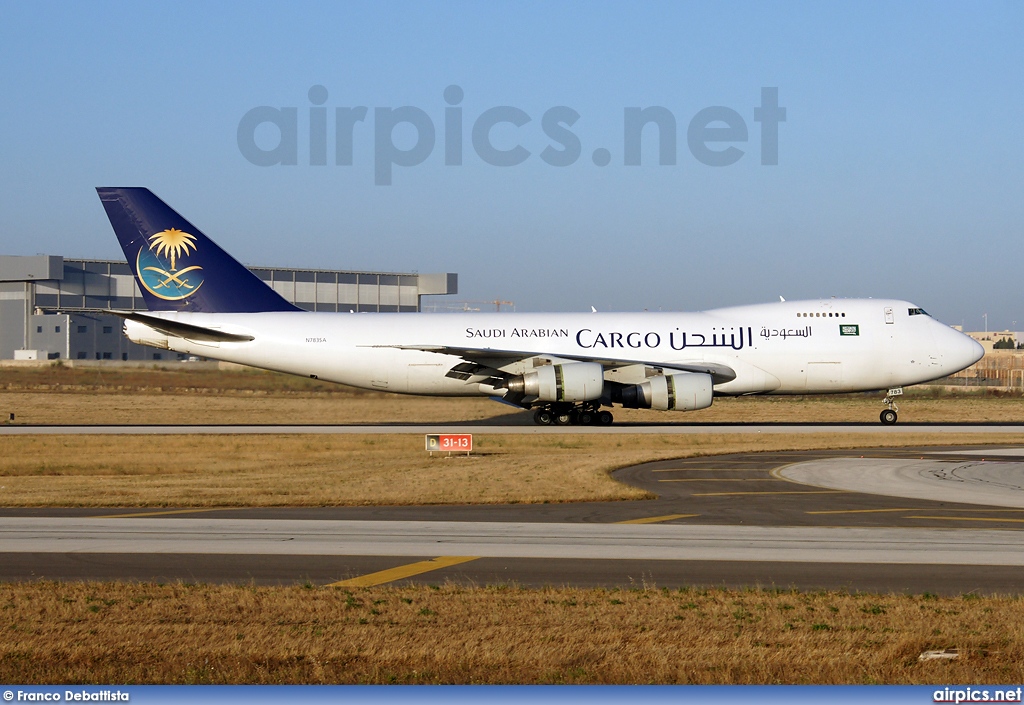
(816, 519)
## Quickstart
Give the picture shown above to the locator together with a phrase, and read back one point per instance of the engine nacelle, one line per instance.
(574, 381)
(683, 391)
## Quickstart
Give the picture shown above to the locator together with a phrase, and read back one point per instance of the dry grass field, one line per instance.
(315, 470)
(323, 470)
(145, 633)
(197, 395)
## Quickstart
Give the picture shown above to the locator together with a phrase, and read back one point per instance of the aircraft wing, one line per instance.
(490, 357)
(182, 330)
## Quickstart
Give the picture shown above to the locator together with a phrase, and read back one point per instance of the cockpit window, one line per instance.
(917, 312)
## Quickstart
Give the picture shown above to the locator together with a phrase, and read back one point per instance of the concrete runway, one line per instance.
(733, 520)
(652, 542)
(986, 483)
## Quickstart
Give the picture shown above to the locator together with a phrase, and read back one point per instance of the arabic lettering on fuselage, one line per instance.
(735, 338)
(768, 333)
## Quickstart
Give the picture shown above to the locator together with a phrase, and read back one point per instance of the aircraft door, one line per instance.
(823, 376)
(379, 378)
(888, 347)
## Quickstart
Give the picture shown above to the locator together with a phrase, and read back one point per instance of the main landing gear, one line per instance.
(888, 416)
(572, 415)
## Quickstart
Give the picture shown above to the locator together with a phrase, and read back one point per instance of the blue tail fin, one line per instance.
(177, 267)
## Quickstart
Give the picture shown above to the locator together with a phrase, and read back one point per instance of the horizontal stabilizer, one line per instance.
(176, 329)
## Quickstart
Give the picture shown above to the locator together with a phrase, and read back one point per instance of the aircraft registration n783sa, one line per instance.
(566, 366)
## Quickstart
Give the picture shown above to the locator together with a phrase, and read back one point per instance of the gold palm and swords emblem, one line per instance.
(172, 243)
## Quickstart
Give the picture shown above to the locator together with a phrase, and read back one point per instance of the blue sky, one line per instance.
(899, 169)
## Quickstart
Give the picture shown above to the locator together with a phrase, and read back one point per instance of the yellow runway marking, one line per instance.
(655, 520)
(724, 479)
(403, 571)
(911, 509)
(861, 511)
(160, 514)
(727, 494)
(1013, 521)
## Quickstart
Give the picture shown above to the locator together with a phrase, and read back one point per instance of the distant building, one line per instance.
(988, 339)
(52, 307)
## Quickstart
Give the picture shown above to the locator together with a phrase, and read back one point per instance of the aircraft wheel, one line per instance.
(585, 418)
(605, 418)
(542, 417)
(888, 417)
(563, 419)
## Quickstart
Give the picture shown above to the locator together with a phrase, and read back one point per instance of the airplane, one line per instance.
(569, 368)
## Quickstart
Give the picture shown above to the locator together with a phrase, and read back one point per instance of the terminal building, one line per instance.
(52, 308)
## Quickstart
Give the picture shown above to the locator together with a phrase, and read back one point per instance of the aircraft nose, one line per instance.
(964, 350)
(977, 351)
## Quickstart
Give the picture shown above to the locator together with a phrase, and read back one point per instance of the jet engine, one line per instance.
(683, 391)
(574, 381)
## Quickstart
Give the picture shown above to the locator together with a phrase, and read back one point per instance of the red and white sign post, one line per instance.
(457, 442)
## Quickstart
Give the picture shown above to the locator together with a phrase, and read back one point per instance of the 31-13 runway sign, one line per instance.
(451, 442)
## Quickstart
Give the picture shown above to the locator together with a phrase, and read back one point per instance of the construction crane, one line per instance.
(498, 304)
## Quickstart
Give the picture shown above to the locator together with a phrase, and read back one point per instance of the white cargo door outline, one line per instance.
(888, 314)
(824, 376)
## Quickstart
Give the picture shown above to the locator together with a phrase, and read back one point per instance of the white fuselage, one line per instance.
(822, 346)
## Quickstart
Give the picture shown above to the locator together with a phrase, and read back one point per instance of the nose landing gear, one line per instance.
(888, 416)
(572, 415)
